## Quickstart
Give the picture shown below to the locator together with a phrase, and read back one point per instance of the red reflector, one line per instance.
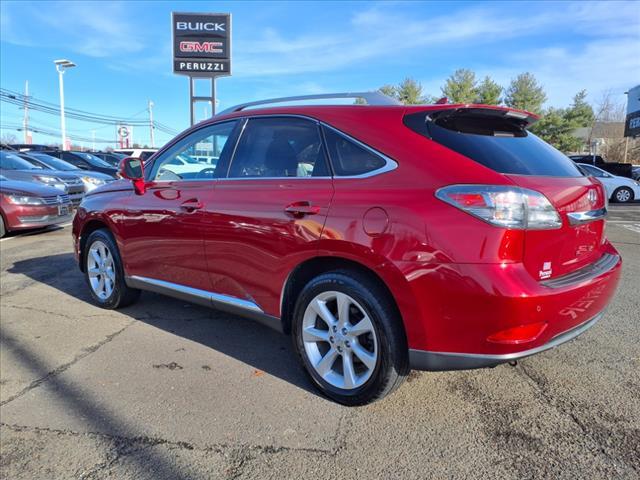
(468, 199)
(520, 334)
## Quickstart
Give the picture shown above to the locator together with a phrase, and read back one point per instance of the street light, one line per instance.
(61, 66)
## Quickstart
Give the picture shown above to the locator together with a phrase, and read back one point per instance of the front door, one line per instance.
(164, 226)
(269, 211)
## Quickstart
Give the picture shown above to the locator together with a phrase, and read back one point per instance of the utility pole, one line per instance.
(25, 120)
(151, 125)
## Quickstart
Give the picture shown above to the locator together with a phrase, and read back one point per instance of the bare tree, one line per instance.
(8, 138)
(608, 124)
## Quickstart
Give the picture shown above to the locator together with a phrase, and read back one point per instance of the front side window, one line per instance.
(348, 158)
(195, 157)
(278, 147)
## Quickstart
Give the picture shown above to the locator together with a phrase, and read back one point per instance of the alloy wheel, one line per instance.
(339, 340)
(623, 195)
(101, 270)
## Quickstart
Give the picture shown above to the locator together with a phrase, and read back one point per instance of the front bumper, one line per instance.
(442, 361)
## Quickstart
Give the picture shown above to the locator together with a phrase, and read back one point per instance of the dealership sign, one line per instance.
(632, 122)
(201, 44)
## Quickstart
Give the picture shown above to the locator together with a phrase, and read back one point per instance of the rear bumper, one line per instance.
(442, 361)
(461, 310)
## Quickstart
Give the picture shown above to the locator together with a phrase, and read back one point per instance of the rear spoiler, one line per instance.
(520, 117)
(419, 119)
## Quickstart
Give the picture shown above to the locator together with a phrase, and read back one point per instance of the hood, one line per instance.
(16, 187)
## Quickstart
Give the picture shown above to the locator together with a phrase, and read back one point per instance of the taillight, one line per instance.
(503, 206)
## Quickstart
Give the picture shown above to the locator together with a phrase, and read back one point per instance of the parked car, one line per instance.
(13, 167)
(85, 161)
(113, 158)
(90, 179)
(141, 153)
(614, 168)
(382, 238)
(619, 189)
(31, 205)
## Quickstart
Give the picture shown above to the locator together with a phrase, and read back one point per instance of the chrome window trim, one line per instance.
(578, 218)
(390, 164)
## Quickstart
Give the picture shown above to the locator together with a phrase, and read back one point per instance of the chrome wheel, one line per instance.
(101, 270)
(339, 340)
(623, 195)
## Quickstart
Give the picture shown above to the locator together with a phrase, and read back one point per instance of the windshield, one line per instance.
(53, 162)
(11, 161)
(92, 159)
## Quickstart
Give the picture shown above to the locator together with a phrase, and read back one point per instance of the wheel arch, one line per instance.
(316, 266)
(87, 229)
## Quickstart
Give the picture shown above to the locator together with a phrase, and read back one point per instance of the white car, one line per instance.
(619, 189)
(141, 153)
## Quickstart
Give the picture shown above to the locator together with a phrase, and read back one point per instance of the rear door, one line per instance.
(268, 213)
(498, 140)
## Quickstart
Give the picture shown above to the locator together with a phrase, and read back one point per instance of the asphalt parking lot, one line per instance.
(165, 389)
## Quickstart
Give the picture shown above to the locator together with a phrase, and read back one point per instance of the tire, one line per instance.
(110, 271)
(385, 341)
(622, 195)
(3, 230)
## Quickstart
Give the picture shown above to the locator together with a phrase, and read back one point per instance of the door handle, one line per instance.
(191, 205)
(300, 209)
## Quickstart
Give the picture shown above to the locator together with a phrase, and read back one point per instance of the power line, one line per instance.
(53, 133)
(16, 98)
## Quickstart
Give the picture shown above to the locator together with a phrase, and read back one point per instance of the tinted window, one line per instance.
(279, 147)
(92, 159)
(595, 172)
(349, 158)
(70, 157)
(497, 143)
(195, 157)
(11, 161)
(53, 162)
(145, 155)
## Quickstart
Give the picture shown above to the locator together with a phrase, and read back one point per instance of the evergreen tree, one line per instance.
(461, 87)
(525, 93)
(488, 92)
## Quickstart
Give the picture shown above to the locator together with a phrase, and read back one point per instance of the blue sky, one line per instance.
(123, 51)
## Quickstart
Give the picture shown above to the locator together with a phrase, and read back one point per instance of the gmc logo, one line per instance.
(201, 26)
(209, 47)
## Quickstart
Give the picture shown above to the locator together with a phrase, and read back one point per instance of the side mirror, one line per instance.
(132, 168)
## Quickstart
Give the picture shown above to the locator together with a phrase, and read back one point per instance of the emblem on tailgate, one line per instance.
(592, 196)
(546, 270)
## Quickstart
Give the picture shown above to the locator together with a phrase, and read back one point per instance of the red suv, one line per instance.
(383, 238)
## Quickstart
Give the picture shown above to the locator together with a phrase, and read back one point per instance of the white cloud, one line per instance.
(96, 29)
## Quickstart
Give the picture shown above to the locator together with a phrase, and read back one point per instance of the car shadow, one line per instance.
(245, 340)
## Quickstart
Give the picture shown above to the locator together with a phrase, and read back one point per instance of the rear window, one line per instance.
(495, 142)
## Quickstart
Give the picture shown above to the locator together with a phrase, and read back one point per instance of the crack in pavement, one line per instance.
(58, 314)
(527, 372)
(85, 352)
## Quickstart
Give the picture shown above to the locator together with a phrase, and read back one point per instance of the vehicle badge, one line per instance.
(592, 196)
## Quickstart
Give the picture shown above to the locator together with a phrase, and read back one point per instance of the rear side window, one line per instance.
(279, 147)
(349, 158)
(496, 143)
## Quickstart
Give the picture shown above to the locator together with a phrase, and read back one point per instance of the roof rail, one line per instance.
(372, 98)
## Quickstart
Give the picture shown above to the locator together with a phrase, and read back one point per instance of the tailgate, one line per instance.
(579, 242)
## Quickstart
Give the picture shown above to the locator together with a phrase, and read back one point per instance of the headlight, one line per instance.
(90, 183)
(51, 181)
(25, 200)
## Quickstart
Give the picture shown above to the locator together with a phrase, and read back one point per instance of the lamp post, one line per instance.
(61, 66)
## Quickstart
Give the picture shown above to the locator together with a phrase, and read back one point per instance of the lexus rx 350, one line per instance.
(382, 238)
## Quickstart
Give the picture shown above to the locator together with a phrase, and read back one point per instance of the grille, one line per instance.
(62, 198)
(73, 181)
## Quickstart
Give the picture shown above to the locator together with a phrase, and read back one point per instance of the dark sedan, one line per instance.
(85, 161)
(30, 205)
(111, 157)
